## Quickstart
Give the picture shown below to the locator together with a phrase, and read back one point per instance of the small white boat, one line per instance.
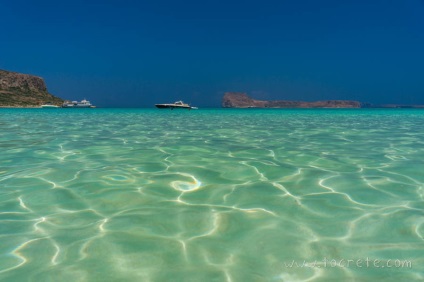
(176, 105)
(49, 106)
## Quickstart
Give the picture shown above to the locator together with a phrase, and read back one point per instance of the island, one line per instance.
(242, 100)
(19, 90)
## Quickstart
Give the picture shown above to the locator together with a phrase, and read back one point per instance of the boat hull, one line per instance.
(75, 106)
(169, 106)
(49, 107)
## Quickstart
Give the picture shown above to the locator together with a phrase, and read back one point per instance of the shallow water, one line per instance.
(211, 195)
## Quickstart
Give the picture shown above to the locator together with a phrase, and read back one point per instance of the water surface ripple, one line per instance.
(211, 195)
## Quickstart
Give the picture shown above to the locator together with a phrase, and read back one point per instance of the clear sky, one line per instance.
(137, 53)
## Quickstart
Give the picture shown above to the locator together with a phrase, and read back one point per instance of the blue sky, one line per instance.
(137, 53)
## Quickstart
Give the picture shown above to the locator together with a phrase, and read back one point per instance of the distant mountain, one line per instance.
(241, 100)
(24, 90)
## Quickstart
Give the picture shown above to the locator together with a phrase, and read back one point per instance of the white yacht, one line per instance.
(176, 105)
(75, 104)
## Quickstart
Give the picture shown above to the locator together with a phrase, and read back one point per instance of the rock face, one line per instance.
(241, 100)
(23, 90)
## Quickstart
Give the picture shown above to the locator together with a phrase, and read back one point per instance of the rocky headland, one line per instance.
(24, 90)
(242, 100)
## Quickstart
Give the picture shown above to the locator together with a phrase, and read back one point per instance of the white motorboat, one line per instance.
(75, 104)
(176, 105)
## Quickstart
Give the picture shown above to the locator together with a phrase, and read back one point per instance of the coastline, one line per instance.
(12, 107)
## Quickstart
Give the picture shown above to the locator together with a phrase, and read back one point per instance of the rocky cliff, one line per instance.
(241, 100)
(23, 90)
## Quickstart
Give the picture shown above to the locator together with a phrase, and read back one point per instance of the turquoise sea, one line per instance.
(211, 195)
